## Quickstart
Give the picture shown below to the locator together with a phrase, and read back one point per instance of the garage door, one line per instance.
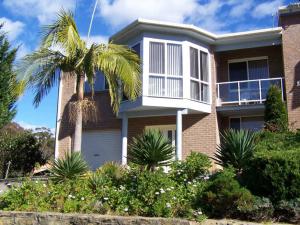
(99, 147)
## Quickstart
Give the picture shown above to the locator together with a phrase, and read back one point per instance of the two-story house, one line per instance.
(194, 85)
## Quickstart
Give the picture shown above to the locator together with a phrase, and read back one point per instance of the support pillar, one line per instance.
(179, 134)
(124, 138)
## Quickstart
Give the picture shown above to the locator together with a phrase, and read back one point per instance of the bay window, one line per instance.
(199, 80)
(165, 69)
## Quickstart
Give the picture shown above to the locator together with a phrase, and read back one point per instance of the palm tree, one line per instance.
(63, 50)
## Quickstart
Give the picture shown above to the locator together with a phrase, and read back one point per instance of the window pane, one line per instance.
(238, 71)
(174, 59)
(204, 66)
(204, 93)
(235, 123)
(137, 49)
(194, 63)
(252, 123)
(195, 92)
(156, 86)
(157, 58)
(99, 84)
(258, 69)
(174, 87)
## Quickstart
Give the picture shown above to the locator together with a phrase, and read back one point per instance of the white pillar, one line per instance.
(179, 135)
(124, 138)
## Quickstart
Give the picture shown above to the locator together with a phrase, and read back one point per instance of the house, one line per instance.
(194, 85)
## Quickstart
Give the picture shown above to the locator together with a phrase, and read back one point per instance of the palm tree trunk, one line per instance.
(78, 122)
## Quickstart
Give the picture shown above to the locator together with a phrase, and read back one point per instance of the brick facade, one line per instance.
(291, 57)
(274, 54)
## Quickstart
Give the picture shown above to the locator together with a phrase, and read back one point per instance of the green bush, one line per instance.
(194, 167)
(274, 174)
(224, 197)
(150, 150)
(236, 148)
(68, 168)
(276, 118)
(261, 210)
(288, 211)
(22, 150)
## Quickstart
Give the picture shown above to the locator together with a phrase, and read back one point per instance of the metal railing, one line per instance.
(246, 91)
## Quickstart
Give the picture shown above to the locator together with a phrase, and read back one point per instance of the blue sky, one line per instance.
(23, 18)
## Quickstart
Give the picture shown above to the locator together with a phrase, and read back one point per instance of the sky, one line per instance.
(23, 20)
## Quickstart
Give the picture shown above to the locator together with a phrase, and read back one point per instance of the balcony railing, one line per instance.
(246, 91)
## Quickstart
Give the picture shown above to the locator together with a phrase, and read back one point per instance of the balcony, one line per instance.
(246, 91)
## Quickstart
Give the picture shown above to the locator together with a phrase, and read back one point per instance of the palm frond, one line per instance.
(40, 71)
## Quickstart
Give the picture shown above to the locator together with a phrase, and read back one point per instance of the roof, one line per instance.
(292, 8)
(145, 25)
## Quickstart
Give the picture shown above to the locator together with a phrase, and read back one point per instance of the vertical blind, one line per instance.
(174, 58)
(157, 58)
(199, 75)
(156, 86)
(174, 87)
(258, 69)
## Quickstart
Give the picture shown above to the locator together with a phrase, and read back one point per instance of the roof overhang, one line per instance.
(289, 9)
(143, 26)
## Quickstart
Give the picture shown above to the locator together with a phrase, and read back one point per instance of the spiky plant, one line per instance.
(150, 150)
(70, 167)
(236, 148)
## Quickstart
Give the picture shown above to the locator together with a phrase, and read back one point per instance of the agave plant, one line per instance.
(235, 149)
(70, 167)
(150, 150)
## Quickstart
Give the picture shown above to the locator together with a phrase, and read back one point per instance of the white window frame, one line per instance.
(165, 75)
(199, 81)
(247, 62)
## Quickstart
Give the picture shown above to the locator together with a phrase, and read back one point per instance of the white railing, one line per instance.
(246, 91)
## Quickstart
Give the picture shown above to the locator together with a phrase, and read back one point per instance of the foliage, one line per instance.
(276, 118)
(288, 211)
(261, 210)
(10, 88)
(22, 150)
(194, 167)
(274, 174)
(151, 149)
(236, 148)
(224, 197)
(70, 167)
(46, 140)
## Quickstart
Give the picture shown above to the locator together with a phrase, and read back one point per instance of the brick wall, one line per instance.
(274, 54)
(291, 58)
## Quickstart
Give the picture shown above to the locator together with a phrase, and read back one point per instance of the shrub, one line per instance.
(236, 148)
(194, 167)
(68, 168)
(224, 197)
(112, 171)
(274, 174)
(288, 211)
(22, 150)
(261, 210)
(151, 149)
(276, 118)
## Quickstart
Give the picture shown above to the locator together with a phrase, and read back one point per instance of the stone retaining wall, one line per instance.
(32, 218)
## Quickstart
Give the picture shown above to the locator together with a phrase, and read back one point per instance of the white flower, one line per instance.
(172, 188)
(82, 198)
(157, 193)
(44, 185)
(105, 198)
(206, 177)
(70, 196)
(126, 209)
(194, 185)
(162, 191)
(36, 182)
(189, 182)
(174, 198)
(168, 189)
(168, 205)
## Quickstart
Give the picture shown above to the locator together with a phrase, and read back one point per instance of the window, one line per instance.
(100, 83)
(248, 123)
(250, 69)
(165, 68)
(199, 75)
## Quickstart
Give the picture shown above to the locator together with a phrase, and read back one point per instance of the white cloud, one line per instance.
(43, 10)
(240, 8)
(98, 39)
(22, 50)
(29, 126)
(267, 8)
(12, 28)
(121, 12)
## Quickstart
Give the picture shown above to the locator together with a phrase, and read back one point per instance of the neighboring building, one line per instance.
(194, 84)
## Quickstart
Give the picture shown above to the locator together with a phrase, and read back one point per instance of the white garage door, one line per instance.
(99, 147)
